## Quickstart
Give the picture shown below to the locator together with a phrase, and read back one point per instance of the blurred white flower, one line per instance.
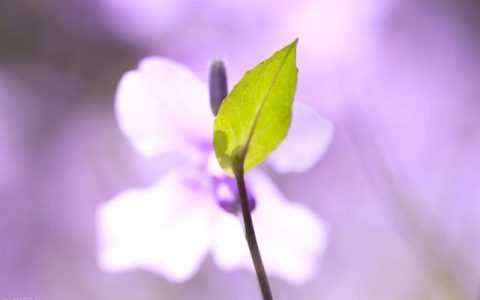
(191, 211)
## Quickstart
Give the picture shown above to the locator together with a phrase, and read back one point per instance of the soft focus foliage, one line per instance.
(398, 187)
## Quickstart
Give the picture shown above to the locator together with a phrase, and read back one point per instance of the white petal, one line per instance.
(164, 229)
(230, 250)
(291, 238)
(162, 106)
(307, 140)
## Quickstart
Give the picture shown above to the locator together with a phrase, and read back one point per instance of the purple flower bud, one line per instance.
(218, 85)
(226, 194)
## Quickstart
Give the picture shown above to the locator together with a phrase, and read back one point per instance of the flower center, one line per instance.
(226, 193)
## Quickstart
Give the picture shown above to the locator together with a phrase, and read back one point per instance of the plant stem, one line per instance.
(250, 236)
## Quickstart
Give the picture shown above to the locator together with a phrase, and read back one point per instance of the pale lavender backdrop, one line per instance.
(399, 187)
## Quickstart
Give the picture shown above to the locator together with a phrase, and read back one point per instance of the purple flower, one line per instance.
(192, 210)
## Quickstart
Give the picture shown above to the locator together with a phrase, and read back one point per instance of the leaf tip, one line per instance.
(293, 44)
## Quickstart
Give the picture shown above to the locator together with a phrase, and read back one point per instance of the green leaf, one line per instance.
(254, 118)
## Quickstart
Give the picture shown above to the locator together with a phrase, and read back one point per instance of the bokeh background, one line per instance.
(399, 187)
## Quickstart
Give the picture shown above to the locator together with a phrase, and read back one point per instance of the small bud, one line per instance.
(218, 85)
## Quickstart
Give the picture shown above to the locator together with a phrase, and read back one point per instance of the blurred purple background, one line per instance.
(399, 187)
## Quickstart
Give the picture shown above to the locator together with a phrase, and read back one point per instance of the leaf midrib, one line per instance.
(262, 103)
